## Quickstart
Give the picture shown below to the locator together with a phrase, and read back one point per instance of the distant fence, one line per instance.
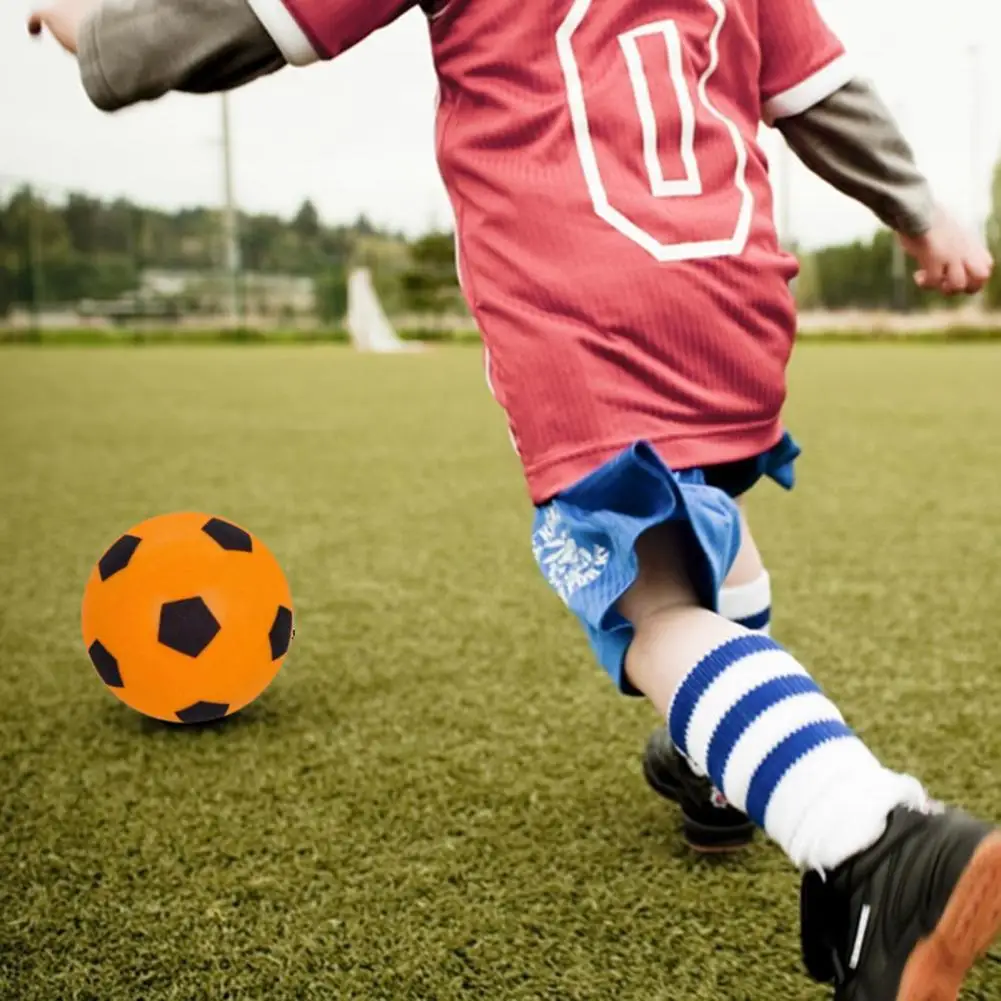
(868, 322)
(67, 321)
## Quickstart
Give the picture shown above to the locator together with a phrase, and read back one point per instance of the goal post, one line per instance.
(367, 323)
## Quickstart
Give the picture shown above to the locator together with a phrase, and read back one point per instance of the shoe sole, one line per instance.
(726, 849)
(970, 923)
(700, 838)
(716, 840)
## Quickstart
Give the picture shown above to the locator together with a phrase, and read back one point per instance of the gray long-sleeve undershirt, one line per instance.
(138, 50)
(851, 140)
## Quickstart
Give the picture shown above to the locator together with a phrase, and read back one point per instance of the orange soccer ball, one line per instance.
(187, 618)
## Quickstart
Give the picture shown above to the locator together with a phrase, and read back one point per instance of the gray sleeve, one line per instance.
(851, 140)
(138, 50)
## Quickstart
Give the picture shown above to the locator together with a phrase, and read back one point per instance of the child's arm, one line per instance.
(851, 140)
(139, 50)
(842, 131)
(142, 49)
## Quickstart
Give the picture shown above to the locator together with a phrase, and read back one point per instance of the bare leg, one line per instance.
(670, 625)
(748, 566)
(746, 714)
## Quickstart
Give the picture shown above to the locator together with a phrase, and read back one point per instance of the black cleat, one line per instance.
(906, 919)
(708, 822)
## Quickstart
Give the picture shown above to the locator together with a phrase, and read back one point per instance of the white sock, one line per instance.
(749, 605)
(752, 719)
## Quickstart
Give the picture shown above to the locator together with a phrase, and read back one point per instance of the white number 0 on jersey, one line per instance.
(660, 187)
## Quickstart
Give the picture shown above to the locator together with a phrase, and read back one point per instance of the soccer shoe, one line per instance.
(708, 822)
(907, 918)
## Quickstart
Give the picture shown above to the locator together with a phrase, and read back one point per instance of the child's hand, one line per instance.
(62, 19)
(950, 260)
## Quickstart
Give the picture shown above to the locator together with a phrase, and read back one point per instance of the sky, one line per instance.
(356, 135)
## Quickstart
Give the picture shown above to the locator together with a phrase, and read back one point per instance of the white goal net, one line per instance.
(368, 325)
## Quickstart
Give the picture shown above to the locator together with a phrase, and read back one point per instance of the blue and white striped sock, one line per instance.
(751, 718)
(749, 605)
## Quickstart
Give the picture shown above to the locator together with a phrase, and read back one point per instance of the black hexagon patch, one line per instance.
(187, 626)
(118, 555)
(228, 536)
(281, 633)
(105, 664)
(202, 712)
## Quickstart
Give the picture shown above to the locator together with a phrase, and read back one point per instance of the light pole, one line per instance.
(231, 235)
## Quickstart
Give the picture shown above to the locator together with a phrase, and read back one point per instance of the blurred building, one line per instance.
(265, 296)
(189, 297)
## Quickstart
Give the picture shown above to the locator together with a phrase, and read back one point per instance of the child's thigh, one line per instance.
(663, 580)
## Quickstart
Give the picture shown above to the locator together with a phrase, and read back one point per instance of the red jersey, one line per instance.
(613, 211)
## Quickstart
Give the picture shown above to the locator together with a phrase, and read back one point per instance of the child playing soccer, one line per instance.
(616, 245)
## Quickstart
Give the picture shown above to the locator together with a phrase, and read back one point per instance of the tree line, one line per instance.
(62, 252)
(57, 253)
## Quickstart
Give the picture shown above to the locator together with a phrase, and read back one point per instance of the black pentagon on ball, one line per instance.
(228, 536)
(281, 632)
(202, 712)
(118, 555)
(187, 626)
(105, 664)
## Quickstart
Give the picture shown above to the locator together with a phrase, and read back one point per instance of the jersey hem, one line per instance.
(550, 477)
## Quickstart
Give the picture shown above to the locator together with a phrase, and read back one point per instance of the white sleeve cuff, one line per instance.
(283, 28)
(810, 91)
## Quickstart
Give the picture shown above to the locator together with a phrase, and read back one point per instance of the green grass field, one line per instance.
(440, 796)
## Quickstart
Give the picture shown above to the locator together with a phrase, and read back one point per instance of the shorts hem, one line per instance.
(584, 542)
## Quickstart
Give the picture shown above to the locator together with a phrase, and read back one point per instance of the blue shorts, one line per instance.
(584, 539)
